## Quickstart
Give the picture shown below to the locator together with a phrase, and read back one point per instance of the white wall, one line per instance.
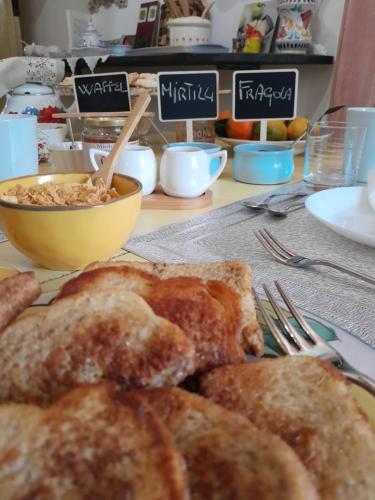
(44, 21)
(112, 23)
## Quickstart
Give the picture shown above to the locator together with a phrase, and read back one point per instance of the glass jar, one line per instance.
(203, 131)
(101, 133)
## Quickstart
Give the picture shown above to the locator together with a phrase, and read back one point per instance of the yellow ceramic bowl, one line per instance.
(70, 237)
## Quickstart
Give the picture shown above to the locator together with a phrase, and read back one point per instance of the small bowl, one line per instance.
(64, 159)
(208, 147)
(49, 133)
(262, 164)
(66, 238)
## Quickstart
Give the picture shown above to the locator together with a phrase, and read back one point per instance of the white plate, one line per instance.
(347, 211)
(298, 150)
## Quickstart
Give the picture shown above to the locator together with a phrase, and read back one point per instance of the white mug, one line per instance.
(185, 171)
(135, 161)
(364, 117)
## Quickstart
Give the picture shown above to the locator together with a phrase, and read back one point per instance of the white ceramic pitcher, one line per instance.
(136, 161)
(185, 171)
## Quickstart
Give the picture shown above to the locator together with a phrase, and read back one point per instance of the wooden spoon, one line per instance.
(106, 170)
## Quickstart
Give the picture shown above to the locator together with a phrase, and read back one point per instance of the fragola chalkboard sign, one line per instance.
(265, 94)
(103, 92)
(188, 95)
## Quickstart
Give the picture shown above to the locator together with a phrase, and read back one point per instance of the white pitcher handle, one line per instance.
(223, 155)
(93, 154)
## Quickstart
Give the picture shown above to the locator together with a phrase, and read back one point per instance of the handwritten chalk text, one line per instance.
(103, 87)
(187, 92)
(259, 92)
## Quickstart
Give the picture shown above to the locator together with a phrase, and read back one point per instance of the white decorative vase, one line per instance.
(295, 16)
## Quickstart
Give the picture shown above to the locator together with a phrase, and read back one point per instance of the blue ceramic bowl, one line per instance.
(207, 146)
(262, 164)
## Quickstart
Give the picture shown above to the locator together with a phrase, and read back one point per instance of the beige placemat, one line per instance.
(227, 233)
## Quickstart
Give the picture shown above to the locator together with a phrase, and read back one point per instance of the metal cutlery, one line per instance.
(293, 343)
(264, 204)
(289, 258)
(283, 210)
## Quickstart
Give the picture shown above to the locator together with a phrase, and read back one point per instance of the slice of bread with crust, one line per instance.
(236, 274)
(308, 403)
(88, 338)
(209, 312)
(16, 294)
(227, 457)
(96, 442)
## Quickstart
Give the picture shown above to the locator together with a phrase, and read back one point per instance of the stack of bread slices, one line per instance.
(90, 408)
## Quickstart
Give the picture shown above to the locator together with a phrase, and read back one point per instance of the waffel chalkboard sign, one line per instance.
(265, 95)
(102, 92)
(188, 95)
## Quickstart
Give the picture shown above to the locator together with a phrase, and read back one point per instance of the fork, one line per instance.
(293, 343)
(285, 256)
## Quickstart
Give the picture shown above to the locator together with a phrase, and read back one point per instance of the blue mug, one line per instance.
(262, 164)
(208, 147)
(18, 146)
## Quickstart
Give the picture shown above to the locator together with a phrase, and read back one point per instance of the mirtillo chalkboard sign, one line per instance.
(188, 95)
(103, 92)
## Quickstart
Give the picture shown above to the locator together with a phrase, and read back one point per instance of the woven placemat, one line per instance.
(227, 233)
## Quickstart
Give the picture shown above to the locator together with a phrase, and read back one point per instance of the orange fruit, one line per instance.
(239, 130)
(297, 127)
(276, 131)
(224, 115)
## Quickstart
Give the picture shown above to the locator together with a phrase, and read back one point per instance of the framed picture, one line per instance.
(142, 15)
(152, 13)
(148, 25)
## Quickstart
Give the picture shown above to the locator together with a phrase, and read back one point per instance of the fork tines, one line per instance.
(273, 246)
(288, 338)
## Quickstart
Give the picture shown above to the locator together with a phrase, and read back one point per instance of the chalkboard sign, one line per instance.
(102, 92)
(188, 95)
(265, 95)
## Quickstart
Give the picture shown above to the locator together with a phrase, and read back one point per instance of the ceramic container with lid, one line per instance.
(187, 31)
(32, 99)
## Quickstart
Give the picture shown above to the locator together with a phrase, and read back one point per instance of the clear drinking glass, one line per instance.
(333, 152)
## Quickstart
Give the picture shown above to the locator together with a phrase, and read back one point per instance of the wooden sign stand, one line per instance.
(263, 130)
(189, 131)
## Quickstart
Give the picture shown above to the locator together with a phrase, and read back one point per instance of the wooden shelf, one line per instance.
(219, 60)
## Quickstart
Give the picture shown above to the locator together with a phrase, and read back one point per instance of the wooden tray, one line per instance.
(160, 201)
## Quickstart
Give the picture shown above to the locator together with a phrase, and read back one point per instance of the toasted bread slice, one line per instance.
(208, 312)
(17, 293)
(227, 457)
(236, 274)
(93, 443)
(92, 337)
(308, 404)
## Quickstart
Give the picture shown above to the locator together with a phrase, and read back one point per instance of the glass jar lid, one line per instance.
(104, 121)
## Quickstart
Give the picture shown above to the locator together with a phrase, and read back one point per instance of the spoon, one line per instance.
(207, 9)
(70, 131)
(285, 210)
(264, 204)
(298, 139)
(106, 170)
